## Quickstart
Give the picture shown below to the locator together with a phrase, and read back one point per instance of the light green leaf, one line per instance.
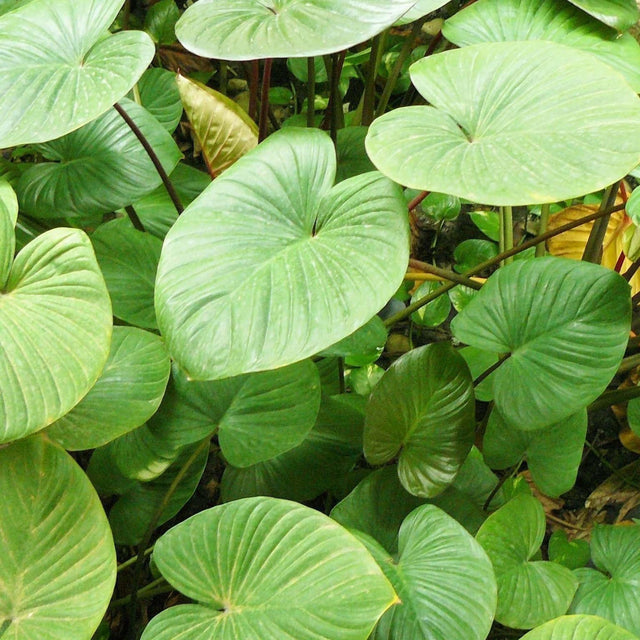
(579, 628)
(443, 578)
(422, 411)
(325, 260)
(160, 96)
(570, 127)
(250, 29)
(565, 347)
(58, 71)
(555, 20)
(421, 8)
(470, 253)
(433, 313)
(612, 590)
(125, 396)
(128, 259)
(98, 168)
(268, 568)
(529, 592)
(363, 346)
(488, 222)
(553, 454)
(620, 14)
(58, 562)
(8, 219)
(160, 21)
(56, 328)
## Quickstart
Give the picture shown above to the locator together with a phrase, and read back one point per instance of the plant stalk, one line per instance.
(264, 99)
(445, 274)
(544, 223)
(368, 105)
(311, 92)
(593, 248)
(175, 198)
(615, 396)
(135, 219)
(254, 81)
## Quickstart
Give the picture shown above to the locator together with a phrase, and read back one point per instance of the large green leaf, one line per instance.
(58, 71)
(324, 261)
(511, 123)
(555, 20)
(620, 14)
(553, 454)
(57, 560)
(326, 455)
(98, 168)
(422, 411)
(249, 29)
(421, 9)
(127, 393)
(612, 590)
(128, 260)
(529, 592)
(579, 628)
(56, 328)
(565, 346)
(443, 578)
(8, 219)
(268, 568)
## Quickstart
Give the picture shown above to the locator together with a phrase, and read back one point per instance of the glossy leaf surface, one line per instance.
(58, 71)
(421, 9)
(422, 411)
(620, 14)
(565, 347)
(262, 567)
(507, 110)
(579, 628)
(58, 562)
(250, 29)
(271, 244)
(56, 328)
(8, 219)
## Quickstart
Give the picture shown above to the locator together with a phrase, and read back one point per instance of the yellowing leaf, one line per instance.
(223, 130)
(571, 244)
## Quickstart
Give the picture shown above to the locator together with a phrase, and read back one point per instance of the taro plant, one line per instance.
(231, 372)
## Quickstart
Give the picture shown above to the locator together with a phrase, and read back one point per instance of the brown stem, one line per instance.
(452, 276)
(135, 219)
(417, 200)
(175, 198)
(264, 99)
(254, 82)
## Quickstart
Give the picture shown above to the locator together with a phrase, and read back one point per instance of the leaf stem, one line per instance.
(544, 223)
(615, 396)
(311, 91)
(254, 81)
(334, 64)
(135, 219)
(445, 274)
(127, 563)
(175, 198)
(368, 106)
(148, 591)
(593, 248)
(417, 200)
(264, 99)
(485, 374)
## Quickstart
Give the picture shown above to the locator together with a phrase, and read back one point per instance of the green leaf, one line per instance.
(433, 313)
(488, 222)
(160, 96)
(554, 20)
(268, 568)
(529, 592)
(250, 29)
(326, 455)
(620, 14)
(565, 347)
(478, 362)
(578, 628)
(363, 346)
(461, 296)
(56, 328)
(138, 506)
(160, 21)
(8, 219)
(553, 454)
(352, 156)
(443, 578)
(612, 590)
(58, 563)
(125, 396)
(98, 168)
(570, 127)
(441, 206)
(58, 71)
(223, 129)
(128, 260)
(422, 411)
(572, 554)
(470, 253)
(421, 9)
(325, 260)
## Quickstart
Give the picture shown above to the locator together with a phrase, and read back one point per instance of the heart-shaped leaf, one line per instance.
(127, 393)
(553, 454)
(58, 71)
(439, 567)
(529, 592)
(578, 628)
(8, 219)
(324, 262)
(268, 568)
(555, 20)
(56, 328)
(619, 14)
(58, 563)
(612, 590)
(573, 554)
(565, 347)
(570, 128)
(98, 168)
(159, 95)
(250, 29)
(223, 129)
(422, 410)
(128, 260)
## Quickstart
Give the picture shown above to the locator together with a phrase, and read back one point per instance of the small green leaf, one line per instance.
(160, 21)
(441, 206)
(433, 313)
(488, 222)
(572, 554)
(160, 96)
(470, 253)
